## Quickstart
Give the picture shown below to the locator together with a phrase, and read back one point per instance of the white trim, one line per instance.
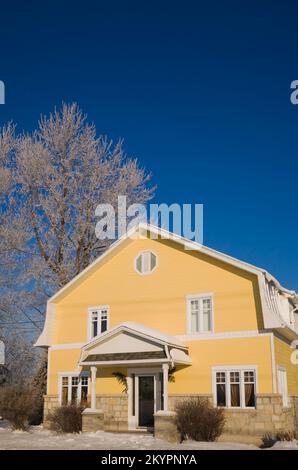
(130, 361)
(48, 370)
(135, 262)
(283, 387)
(98, 309)
(190, 337)
(236, 368)
(223, 335)
(199, 297)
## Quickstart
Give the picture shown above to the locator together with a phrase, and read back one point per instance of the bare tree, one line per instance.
(53, 179)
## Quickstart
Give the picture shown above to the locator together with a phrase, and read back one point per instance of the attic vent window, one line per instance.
(145, 262)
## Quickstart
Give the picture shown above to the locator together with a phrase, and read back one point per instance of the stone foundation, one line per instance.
(165, 426)
(174, 400)
(50, 403)
(115, 409)
(269, 417)
(92, 420)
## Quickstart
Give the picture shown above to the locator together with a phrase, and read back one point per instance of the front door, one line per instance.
(146, 400)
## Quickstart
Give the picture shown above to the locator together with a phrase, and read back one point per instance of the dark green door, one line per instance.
(146, 401)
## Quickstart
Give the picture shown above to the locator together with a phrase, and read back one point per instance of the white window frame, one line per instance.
(283, 387)
(98, 309)
(200, 298)
(135, 262)
(241, 370)
(70, 375)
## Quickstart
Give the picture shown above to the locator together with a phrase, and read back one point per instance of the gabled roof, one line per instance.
(142, 345)
(271, 318)
(140, 330)
(144, 228)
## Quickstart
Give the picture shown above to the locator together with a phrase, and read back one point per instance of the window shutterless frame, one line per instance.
(63, 376)
(234, 369)
(200, 298)
(99, 309)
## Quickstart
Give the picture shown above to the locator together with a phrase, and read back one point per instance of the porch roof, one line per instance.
(133, 344)
(125, 356)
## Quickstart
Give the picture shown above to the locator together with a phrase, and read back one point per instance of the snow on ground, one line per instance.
(38, 438)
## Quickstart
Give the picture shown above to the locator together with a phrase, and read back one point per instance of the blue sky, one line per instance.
(200, 91)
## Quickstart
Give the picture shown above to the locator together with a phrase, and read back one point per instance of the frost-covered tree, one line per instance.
(51, 182)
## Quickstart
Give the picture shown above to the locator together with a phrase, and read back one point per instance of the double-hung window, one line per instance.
(235, 388)
(98, 320)
(73, 389)
(200, 314)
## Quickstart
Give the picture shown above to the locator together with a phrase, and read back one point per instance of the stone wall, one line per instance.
(50, 403)
(115, 409)
(165, 426)
(173, 400)
(92, 420)
(269, 416)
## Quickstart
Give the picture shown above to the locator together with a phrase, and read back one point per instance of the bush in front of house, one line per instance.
(16, 405)
(197, 419)
(66, 419)
(270, 439)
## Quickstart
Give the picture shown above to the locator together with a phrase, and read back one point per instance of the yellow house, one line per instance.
(169, 319)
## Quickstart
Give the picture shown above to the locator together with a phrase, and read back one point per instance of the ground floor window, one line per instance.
(235, 388)
(74, 389)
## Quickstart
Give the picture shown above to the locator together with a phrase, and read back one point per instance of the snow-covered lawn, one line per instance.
(38, 438)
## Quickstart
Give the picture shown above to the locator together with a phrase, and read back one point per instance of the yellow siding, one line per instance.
(158, 300)
(196, 379)
(207, 354)
(283, 358)
(66, 361)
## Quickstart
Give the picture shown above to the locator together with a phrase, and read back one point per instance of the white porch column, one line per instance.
(93, 387)
(165, 370)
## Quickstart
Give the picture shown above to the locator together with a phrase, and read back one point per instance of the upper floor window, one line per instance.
(235, 388)
(200, 314)
(98, 320)
(145, 262)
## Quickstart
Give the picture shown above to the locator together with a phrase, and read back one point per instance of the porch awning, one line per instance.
(125, 356)
(133, 344)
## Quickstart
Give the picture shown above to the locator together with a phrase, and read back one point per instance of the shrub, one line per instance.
(285, 436)
(16, 405)
(66, 418)
(270, 439)
(198, 420)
